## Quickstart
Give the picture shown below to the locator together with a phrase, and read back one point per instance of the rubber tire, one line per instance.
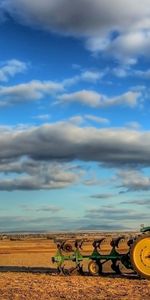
(133, 257)
(95, 268)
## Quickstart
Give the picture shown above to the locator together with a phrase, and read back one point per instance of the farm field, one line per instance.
(28, 273)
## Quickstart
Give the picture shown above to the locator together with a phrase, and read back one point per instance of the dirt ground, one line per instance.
(26, 272)
(26, 286)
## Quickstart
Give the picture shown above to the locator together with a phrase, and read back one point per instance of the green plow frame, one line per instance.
(96, 259)
(135, 257)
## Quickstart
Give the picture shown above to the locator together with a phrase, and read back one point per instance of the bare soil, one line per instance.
(26, 272)
(20, 286)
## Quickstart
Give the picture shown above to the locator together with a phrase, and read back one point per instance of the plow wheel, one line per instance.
(140, 256)
(95, 268)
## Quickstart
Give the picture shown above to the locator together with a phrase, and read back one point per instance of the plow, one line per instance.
(131, 253)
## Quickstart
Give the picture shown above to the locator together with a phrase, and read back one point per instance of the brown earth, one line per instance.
(27, 273)
(20, 286)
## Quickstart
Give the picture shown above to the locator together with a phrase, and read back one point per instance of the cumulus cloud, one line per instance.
(34, 175)
(91, 76)
(31, 158)
(123, 71)
(128, 46)
(87, 76)
(30, 91)
(133, 180)
(116, 28)
(86, 97)
(10, 68)
(84, 119)
(77, 120)
(119, 146)
(35, 90)
(94, 99)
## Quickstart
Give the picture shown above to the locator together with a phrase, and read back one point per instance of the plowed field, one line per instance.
(26, 272)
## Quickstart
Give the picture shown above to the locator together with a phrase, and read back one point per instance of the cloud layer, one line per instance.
(94, 99)
(35, 175)
(30, 91)
(118, 27)
(31, 158)
(93, 219)
(112, 145)
(133, 180)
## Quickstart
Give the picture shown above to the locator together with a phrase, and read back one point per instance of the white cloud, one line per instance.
(33, 90)
(133, 125)
(76, 119)
(36, 89)
(86, 97)
(133, 180)
(91, 76)
(112, 146)
(81, 119)
(11, 68)
(120, 71)
(129, 98)
(44, 117)
(142, 74)
(94, 20)
(87, 76)
(97, 119)
(31, 158)
(123, 71)
(35, 175)
(94, 99)
(128, 46)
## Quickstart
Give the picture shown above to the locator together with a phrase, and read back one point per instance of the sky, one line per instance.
(74, 115)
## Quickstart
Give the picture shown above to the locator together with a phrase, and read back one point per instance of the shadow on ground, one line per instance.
(41, 270)
(53, 271)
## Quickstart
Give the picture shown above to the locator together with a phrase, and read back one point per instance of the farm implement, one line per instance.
(131, 253)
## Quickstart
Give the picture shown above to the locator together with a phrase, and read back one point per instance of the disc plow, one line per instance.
(124, 253)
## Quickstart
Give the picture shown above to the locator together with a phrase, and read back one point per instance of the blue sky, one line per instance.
(74, 107)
